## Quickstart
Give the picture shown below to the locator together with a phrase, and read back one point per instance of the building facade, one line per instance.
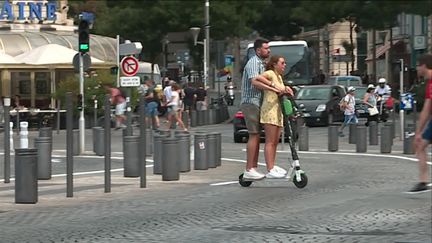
(37, 45)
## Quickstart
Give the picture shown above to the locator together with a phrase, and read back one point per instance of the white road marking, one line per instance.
(224, 183)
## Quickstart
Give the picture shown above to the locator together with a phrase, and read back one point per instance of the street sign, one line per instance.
(130, 81)
(129, 66)
(130, 48)
(86, 62)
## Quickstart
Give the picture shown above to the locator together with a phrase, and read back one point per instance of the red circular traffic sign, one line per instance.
(129, 66)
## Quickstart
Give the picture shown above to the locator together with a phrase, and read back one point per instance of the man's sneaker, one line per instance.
(419, 188)
(253, 174)
(280, 170)
(274, 174)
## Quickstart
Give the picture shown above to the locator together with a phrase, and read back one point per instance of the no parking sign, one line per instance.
(129, 66)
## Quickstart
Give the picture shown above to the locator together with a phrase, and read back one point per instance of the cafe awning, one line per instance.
(50, 54)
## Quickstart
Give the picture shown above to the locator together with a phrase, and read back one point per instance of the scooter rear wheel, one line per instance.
(302, 183)
(244, 183)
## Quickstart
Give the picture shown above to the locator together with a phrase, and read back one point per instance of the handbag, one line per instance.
(373, 111)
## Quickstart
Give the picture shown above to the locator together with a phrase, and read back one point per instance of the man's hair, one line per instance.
(425, 59)
(259, 43)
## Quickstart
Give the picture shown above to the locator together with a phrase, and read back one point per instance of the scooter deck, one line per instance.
(265, 178)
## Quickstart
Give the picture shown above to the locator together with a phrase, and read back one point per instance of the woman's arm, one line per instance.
(262, 82)
(365, 100)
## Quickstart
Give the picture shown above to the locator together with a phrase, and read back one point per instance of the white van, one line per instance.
(145, 73)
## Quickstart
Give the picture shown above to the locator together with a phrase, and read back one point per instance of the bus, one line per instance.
(297, 57)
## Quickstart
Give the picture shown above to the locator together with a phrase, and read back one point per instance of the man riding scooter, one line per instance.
(383, 93)
(229, 91)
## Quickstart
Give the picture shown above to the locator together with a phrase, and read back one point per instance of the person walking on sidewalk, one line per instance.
(423, 134)
(271, 113)
(348, 106)
(119, 101)
(250, 105)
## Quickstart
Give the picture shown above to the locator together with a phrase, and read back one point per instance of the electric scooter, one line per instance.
(298, 176)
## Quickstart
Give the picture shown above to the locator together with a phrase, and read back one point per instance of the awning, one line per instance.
(7, 59)
(381, 50)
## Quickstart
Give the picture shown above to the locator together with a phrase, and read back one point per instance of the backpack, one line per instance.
(342, 105)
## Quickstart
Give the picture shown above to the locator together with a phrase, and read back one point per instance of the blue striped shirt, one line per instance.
(250, 94)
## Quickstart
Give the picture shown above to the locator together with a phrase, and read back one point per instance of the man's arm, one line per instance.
(263, 83)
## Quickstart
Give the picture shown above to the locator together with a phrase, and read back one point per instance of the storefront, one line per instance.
(36, 56)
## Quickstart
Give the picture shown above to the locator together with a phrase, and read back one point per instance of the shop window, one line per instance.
(42, 83)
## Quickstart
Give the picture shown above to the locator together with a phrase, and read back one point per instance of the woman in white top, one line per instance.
(174, 107)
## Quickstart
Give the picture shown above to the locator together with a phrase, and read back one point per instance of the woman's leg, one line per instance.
(179, 120)
(272, 134)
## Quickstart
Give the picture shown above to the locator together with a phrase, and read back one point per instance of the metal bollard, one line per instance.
(11, 139)
(24, 135)
(193, 118)
(98, 141)
(211, 149)
(408, 145)
(45, 132)
(352, 133)
(170, 166)
(207, 117)
(157, 153)
(218, 149)
(44, 151)
(392, 131)
(210, 117)
(131, 156)
(386, 139)
(149, 144)
(200, 118)
(26, 184)
(303, 138)
(218, 115)
(361, 139)
(200, 151)
(183, 151)
(76, 142)
(373, 133)
(333, 138)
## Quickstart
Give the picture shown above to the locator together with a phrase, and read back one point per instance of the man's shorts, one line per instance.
(350, 119)
(427, 132)
(152, 109)
(120, 109)
(251, 115)
(201, 106)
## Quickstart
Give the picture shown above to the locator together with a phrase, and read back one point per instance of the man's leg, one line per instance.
(421, 155)
(252, 151)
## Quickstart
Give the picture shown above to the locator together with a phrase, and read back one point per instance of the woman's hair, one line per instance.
(175, 87)
(272, 62)
(370, 89)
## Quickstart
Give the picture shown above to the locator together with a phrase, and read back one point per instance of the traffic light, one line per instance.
(83, 36)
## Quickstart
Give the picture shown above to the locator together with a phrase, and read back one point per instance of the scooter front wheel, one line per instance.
(244, 183)
(302, 183)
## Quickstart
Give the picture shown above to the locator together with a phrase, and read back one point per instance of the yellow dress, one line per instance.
(271, 112)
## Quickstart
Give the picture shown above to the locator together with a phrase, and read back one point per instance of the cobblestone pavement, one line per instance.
(349, 198)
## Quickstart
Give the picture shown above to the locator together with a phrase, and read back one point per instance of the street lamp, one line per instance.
(195, 31)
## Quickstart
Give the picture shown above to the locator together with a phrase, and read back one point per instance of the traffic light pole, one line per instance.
(81, 118)
(401, 90)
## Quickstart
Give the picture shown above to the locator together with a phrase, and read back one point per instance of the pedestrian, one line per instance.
(348, 106)
(250, 105)
(119, 101)
(189, 97)
(151, 101)
(167, 93)
(271, 112)
(423, 134)
(370, 100)
(201, 98)
(174, 107)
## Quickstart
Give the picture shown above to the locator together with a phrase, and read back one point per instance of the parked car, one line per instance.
(319, 104)
(345, 81)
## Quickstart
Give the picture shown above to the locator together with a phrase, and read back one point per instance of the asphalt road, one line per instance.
(350, 197)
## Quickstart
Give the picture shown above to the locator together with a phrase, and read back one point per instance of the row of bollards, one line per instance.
(208, 117)
(358, 136)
